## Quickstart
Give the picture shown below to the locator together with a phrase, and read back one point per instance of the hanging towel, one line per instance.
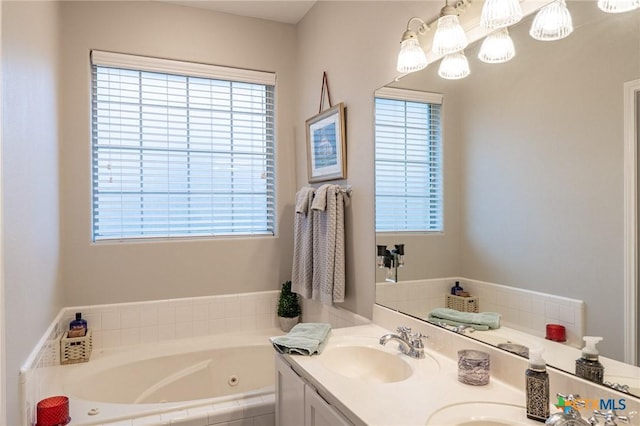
(304, 338)
(302, 272)
(342, 200)
(328, 244)
(482, 321)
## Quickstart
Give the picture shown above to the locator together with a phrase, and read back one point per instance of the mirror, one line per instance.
(532, 189)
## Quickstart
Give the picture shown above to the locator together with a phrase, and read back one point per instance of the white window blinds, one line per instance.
(180, 149)
(408, 161)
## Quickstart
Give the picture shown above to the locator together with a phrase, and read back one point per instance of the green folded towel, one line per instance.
(480, 321)
(304, 339)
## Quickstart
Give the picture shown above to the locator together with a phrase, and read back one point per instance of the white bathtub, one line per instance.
(213, 379)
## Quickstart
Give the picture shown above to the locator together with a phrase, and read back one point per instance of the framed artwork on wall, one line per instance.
(326, 145)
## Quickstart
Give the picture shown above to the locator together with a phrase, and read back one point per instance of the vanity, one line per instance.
(357, 381)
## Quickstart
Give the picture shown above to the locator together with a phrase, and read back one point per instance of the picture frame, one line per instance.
(326, 145)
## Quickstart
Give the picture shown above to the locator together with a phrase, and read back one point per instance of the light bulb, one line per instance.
(449, 36)
(618, 6)
(497, 48)
(454, 66)
(552, 22)
(500, 13)
(411, 57)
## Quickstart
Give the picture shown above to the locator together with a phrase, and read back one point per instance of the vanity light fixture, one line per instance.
(454, 66)
(500, 13)
(552, 22)
(412, 57)
(497, 47)
(618, 6)
(449, 36)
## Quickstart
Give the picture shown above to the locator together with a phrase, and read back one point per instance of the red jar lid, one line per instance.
(53, 411)
(556, 332)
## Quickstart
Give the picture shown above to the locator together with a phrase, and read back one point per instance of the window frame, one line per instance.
(407, 95)
(186, 70)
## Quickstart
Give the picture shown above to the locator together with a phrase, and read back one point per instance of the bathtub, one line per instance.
(204, 381)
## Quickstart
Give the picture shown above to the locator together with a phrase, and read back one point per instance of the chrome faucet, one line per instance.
(610, 418)
(618, 387)
(570, 416)
(408, 343)
(461, 328)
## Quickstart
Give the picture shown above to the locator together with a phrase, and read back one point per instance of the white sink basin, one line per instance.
(366, 363)
(481, 414)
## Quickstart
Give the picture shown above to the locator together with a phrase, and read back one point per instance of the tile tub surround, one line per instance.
(127, 324)
(523, 310)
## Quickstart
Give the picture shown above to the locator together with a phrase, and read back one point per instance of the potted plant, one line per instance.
(288, 307)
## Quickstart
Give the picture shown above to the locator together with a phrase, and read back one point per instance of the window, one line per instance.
(408, 161)
(180, 149)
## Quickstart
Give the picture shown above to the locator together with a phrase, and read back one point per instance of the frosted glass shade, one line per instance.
(497, 48)
(454, 66)
(618, 6)
(449, 36)
(500, 13)
(411, 57)
(552, 22)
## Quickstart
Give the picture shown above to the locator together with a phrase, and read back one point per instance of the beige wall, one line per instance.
(119, 272)
(31, 190)
(543, 167)
(356, 44)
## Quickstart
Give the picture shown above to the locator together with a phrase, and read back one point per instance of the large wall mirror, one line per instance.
(532, 188)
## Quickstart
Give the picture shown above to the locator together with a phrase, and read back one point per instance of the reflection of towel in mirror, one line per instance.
(305, 338)
(302, 271)
(328, 244)
(480, 321)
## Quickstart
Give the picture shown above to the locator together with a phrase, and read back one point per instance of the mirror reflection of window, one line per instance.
(408, 161)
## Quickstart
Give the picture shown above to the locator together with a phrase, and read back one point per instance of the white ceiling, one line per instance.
(287, 11)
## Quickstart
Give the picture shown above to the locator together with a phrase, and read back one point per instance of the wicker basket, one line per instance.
(463, 304)
(75, 349)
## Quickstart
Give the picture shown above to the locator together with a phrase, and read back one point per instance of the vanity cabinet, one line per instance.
(298, 403)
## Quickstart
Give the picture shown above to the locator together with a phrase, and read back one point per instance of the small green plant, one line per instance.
(288, 306)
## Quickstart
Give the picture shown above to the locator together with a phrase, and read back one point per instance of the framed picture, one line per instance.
(326, 147)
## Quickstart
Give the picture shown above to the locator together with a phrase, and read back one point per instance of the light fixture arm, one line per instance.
(422, 29)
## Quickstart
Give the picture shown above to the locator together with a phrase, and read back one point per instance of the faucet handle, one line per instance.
(416, 340)
(404, 331)
(574, 399)
(618, 386)
(610, 417)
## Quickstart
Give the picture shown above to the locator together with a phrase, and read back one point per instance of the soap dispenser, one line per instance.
(537, 386)
(587, 366)
(456, 288)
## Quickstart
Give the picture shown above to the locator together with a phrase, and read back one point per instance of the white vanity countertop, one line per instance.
(560, 355)
(408, 402)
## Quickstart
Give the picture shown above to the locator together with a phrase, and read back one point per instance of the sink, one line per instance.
(481, 414)
(366, 363)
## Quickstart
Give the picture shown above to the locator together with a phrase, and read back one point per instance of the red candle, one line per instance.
(556, 332)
